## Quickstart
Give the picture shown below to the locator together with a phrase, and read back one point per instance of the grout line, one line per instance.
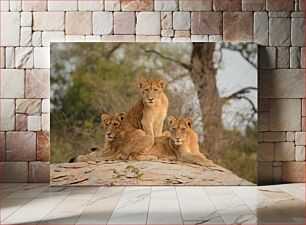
(56, 206)
(203, 188)
(179, 204)
(149, 205)
(116, 203)
(87, 201)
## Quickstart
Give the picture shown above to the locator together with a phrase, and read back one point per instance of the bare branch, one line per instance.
(184, 65)
(238, 94)
(109, 53)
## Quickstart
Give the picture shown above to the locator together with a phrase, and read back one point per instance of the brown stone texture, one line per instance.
(227, 5)
(263, 121)
(206, 23)
(39, 172)
(21, 122)
(265, 173)
(274, 83)
(265, 152)
(263, 105)
(78, 23)
(20, 146)
(284, 151)
(43, 146)
(253, 5)
(277, 172)
(293, 172)
(137, 5)
(37, 83)
(280, 5)
(124, 22)
(14, 172)
(275, 136)
(2, 146)
(238, 26)
(285, 115)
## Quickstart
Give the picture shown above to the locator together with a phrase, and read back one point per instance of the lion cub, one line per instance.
(150, 111)
(122, 141)
(180, 143)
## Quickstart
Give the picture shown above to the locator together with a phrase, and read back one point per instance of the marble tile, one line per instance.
(68, 211)
(230, 207)
(26, 214)
(100, 208)
(132, 207)
(9, 206)
(195, 204)
(296, 191)
(164, 206)
(152, 205)
(29, 191)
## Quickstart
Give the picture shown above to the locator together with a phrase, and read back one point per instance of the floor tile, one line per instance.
(195, 204)
(69, 210)
(164, 206)
(32, 212)
(100, 208)
(132, 207)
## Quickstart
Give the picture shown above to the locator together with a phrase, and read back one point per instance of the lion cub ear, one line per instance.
(104, 118)
(122, 115)
(189, 122)
(162, 82)
(171, 120)
(141, 82)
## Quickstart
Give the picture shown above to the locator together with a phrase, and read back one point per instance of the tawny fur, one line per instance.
(155, 106)
(181, 143)
(122, 141)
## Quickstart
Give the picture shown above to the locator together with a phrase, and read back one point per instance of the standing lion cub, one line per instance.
(150, 111)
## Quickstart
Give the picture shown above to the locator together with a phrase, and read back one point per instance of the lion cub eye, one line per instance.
(115, 124)
(183, 129)
(173, 128)
(155, 90)
(147, 90)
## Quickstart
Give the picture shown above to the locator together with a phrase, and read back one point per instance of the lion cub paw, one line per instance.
(145, 157)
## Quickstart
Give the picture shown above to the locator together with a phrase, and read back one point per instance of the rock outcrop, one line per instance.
(159, 172)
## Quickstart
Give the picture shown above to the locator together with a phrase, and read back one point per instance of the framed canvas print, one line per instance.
(153, 114)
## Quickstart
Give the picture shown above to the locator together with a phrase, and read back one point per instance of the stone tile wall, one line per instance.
(28, 27)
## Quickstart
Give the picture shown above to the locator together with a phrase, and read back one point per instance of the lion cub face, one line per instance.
(179, 129)
(112, 124)
(151, 90)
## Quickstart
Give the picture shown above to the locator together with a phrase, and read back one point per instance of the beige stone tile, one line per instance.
(285, 115)
(7, 114)
(78, 23)
(238, 26)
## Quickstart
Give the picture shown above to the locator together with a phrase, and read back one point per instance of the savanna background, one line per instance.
(214, 83)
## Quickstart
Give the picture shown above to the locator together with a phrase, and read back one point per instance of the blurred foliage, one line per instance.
(89, 79)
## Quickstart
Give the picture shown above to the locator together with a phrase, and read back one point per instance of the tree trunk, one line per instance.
(203, 75)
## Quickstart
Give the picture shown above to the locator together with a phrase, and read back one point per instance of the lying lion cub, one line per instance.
(181, 143)
(150, 111)
(122, 141)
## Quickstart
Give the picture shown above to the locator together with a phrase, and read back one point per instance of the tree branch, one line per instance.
(184, 65)
(109, 53)
(238, 94)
